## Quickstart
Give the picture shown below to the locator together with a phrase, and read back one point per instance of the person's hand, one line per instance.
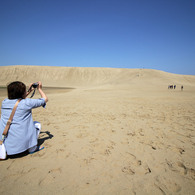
(43, 95)
(40, 85)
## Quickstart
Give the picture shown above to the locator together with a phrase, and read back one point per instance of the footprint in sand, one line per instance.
(186, 171)
(132, 166)
(128, 170)
(109, 148)
(87, 161)
(59, 150)
(107, 152)
(50, 177)
(165, 185)
(179, 167)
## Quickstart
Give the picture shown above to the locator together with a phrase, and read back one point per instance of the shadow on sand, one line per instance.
(40, 142)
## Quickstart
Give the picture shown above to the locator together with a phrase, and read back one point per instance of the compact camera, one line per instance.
(35, 85)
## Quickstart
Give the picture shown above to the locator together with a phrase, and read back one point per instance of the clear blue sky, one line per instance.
(156, 34)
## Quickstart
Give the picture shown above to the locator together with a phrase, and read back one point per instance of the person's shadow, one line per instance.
(41, 140)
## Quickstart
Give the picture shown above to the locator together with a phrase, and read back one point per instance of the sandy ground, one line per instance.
(130, 135)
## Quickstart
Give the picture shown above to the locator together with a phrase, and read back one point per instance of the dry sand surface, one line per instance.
(106, 131)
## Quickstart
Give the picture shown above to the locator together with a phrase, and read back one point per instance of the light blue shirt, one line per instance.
(22, 133)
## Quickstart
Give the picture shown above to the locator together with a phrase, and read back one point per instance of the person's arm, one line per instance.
(43, 95)
(29, 90)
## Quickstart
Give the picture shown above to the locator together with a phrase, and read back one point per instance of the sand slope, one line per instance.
(68, 76)
(119, 131)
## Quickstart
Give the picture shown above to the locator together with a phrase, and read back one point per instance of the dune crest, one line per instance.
(79, 76)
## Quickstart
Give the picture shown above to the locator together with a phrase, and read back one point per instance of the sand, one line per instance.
(106, 131)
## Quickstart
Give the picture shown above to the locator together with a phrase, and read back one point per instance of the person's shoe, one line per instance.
(38, 149)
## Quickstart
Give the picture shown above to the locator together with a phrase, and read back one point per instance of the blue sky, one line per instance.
(156, 34)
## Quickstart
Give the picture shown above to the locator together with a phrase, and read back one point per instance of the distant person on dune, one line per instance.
(23, 132)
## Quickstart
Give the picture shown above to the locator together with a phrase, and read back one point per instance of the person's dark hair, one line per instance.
(16, 90)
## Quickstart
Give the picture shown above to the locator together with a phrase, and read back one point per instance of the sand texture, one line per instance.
(106, 132)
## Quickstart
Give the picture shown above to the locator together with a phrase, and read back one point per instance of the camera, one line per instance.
(35, 85)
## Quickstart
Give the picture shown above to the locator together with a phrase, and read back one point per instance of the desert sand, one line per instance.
(105, 132)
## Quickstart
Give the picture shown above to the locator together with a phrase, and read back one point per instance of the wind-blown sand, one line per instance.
(106, 131)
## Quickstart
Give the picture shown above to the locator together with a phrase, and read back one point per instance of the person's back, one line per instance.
(22, 134)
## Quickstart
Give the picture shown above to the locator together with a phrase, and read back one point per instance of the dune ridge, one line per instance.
(79, 76)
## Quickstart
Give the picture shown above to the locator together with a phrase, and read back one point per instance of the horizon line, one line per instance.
(59, 66)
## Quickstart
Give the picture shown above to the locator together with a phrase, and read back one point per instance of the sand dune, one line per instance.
(117, 131)
(68, 76)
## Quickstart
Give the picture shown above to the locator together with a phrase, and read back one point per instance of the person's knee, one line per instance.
(37, 125)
